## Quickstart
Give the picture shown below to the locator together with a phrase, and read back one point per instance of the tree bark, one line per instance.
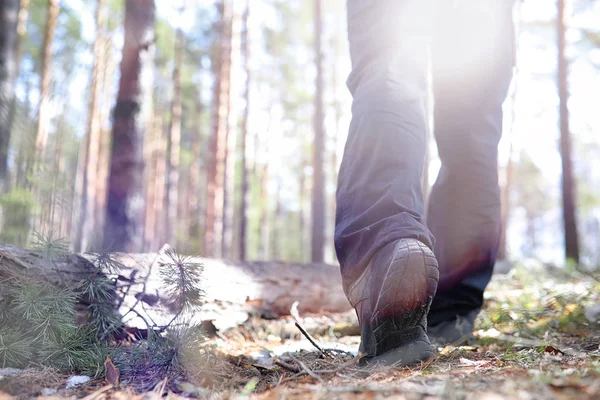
(568, 183)
(245, 186)
(21, 33)
(123, 230)
(174, 144)
(318, 193)
(41, 136)
(228, 248)
(8, 41)
(105, 140)
(87, 225)
(195, 177)
(215, 188)
(264, 250)
(155, 155)
(9, 10)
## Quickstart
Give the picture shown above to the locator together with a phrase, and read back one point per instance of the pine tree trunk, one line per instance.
(245, 186)
(265, 226)
(318, 194)
(153, 154)
(23, 17)
(56, 208)
(23, 157)
(174, 145)
(195, 185)
(22, 30)
(568, 184)
(276, 234)
(9, 10)
(215, 194)
(41, 136)
(87, 225)
(228, 248)
(304, 215)
(104, 152)
(123, 228)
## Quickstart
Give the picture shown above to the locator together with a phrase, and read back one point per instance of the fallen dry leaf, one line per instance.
(553, 350)
(112, 373)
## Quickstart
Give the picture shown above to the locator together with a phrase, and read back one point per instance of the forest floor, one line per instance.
(534, 340)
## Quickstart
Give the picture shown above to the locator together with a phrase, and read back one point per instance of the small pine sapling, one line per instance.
(181, 277)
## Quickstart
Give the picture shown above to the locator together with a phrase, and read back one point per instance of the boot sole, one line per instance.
(413, 353)
(396, 338)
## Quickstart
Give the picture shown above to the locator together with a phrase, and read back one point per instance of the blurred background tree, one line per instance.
(225, 121)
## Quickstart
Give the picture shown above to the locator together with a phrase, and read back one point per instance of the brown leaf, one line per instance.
(552, 350)
(112, 373)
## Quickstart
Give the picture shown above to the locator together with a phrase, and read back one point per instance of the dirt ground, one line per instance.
(534, 340)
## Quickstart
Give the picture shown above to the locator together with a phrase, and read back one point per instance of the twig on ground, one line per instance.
(289, 367)
(308, 371)
(343, 367)
(427, 363)
(294, 313)
(310, 339)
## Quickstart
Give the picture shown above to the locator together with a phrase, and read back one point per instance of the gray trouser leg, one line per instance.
(472, 68)
(379, 196)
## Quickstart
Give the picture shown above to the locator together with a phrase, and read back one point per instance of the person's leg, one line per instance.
(389, 272)
(379, 196)
(472, 59)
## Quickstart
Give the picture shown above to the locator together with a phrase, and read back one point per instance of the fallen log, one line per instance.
(232, 290)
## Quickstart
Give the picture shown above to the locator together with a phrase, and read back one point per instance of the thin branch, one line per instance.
(310, 339)
(308, 371)
(289, 367)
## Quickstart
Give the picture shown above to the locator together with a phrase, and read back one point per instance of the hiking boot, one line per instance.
(392, 298)
(455, 332)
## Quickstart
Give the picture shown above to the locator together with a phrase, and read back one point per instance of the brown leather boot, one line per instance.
(392, 298)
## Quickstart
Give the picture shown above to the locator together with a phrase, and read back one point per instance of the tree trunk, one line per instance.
(87, 225)
(276, 248)
(232, 290)
(153, 231)
(195, 185)
(155, 158)
(41, 136)
(174, 144)
(228, 248)
(245, 186)
(104, 153)
(9, 10)
(123, 230)
(23, 16)
(318, 194)
(265, 227)
(215, 193)
(568, 184)
(23, 156)
(304, 215)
